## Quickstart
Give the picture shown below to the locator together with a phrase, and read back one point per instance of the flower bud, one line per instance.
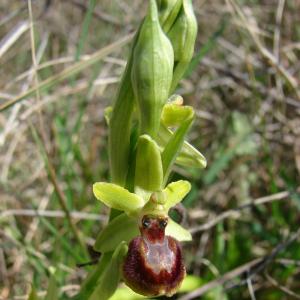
(168, 11)
(152, 70)
(154, 265)
(183, 36)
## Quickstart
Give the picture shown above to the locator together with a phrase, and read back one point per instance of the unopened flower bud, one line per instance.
(152, 71)
(183, 36)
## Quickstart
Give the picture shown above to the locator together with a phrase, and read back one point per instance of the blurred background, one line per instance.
(243, 209)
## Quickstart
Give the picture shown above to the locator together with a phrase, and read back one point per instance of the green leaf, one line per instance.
(121, 228)
(149, 171)
(188, 156)
(109, 281)
(117, 197)
(33, 294)
(176, 231)
(52, 291)
(89, 284)
(175, 192)
(174, 145)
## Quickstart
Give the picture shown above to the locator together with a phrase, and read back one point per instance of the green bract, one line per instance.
(111, 275)
(152, 70)
(148, 170)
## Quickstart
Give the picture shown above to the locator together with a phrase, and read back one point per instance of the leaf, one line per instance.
(52, 291)
(89, 284)
(33, 294)
(117, 197)
(175, 192)
(176, 231)
(149, 171)
(109, 281)
(121, 228)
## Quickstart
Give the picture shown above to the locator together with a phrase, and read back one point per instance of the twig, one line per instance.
(68, 72)
(13, 36)
(52, 214)
(221, 280)
(281, 287)
(270, 58)
(236, 211)
(252, 268)
(250, 288)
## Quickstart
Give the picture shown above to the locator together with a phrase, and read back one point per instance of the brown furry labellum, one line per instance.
(154, 264)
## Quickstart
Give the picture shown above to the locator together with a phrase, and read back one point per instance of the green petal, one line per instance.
(149, 171)
(175, 192)
(109, 281)
(177, 232)
(121, 228)
(174, 114)
(117, 197)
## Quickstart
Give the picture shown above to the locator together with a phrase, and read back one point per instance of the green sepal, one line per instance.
(149, 171)
(175, 192)
(188, 156)
(121, 228)
(114, 196)
(110, 278)
(176, 231)
(175, 143)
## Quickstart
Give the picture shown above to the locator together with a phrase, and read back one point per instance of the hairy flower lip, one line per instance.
(154, 264)
(140, 276)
